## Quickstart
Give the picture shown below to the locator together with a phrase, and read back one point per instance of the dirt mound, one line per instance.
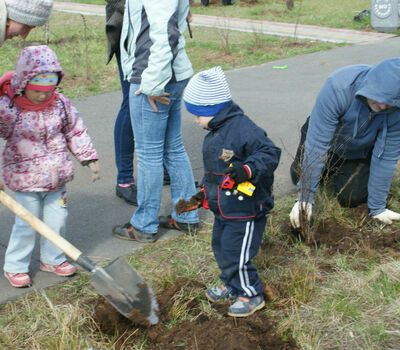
(364, 239)
(343, 239)
(204, 332)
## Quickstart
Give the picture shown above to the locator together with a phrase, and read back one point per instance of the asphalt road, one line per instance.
(277, 100)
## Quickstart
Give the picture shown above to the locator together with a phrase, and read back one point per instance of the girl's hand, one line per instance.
(94, 168)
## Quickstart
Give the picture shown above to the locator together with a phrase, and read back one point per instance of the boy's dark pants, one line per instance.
(350, 176)
(235, 243)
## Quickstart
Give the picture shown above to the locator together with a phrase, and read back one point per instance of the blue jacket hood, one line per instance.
(382, 83)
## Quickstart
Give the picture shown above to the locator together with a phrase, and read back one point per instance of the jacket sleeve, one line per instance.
(7, 117)
(384, 159)
(331, 103)
(263, 156)
(76, 134)
(164, 34)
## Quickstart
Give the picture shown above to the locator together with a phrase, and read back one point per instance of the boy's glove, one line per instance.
(296, 212)
(194, 203)
(94, 168)
(387, 216)
(238, 173)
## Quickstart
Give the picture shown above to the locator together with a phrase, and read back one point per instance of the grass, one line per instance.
(329, 13)
(80, 44)
(327, 301)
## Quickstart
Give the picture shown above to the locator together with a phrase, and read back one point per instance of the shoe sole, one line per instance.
(258, 307)
(126, 200)
(27, 285)
(215, 300)
(126, 238)
(209, 298)
(59, 274)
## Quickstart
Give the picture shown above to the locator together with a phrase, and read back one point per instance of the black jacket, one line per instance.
(114, 17)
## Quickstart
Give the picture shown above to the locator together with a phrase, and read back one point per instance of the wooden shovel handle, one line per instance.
(40, 226)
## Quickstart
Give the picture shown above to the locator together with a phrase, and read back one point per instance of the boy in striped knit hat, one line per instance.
(238, 148)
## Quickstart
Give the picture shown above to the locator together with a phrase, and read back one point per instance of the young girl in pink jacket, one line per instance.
(41, 129)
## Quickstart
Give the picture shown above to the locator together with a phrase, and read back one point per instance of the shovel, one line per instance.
(118, 282)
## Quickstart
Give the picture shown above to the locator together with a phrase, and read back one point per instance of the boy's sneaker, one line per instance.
(220, 293)
(18, 280)
(169, 223)
(65, 269)
(246, 306)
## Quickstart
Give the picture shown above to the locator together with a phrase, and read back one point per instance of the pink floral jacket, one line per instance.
(36, 156)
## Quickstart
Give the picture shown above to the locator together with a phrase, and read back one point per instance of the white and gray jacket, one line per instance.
(152, 44)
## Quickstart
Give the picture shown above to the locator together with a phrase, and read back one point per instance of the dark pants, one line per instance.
(350, 176)
(123, 134)
(234, 244)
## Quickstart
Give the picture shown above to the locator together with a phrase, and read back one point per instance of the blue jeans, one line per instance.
(123, 134)
(52, 208)
(158, 140)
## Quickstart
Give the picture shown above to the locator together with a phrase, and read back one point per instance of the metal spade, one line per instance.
(118, 282)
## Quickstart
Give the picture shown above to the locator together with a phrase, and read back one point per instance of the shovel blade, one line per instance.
(126, 291)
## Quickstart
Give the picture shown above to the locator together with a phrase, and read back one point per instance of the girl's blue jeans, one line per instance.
(51, 207)
(158, 140)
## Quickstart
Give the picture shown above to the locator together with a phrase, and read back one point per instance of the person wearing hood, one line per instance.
(353, 137)
(40, 129)
(235, 149)
(18, 18)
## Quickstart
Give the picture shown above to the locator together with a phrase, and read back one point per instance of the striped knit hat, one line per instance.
(43, 82)
(33, 13)
(207, 93)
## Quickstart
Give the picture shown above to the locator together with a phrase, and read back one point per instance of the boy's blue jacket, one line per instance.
(342, 122)
(234, 138)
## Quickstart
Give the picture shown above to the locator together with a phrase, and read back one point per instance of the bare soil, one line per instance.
(367, 239)
(257, 332)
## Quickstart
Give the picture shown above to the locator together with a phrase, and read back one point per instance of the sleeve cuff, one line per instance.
(248, 171)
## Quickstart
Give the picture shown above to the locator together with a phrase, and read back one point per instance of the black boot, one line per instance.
(227, 2)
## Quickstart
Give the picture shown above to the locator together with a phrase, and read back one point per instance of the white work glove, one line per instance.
(295, 213)
(387, 216)
(94, 168)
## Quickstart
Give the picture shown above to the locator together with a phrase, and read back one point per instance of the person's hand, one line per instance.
(163, 99)
(296, 212)
(237, 173)
(387, 216)
(94, 168)
(194, 203)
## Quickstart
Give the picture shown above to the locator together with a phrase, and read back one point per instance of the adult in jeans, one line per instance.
(155, 63)
(19, 18)
(124, 142)
(353, 136)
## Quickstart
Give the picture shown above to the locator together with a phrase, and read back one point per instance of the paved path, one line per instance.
(277, 100)
(248, 25)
